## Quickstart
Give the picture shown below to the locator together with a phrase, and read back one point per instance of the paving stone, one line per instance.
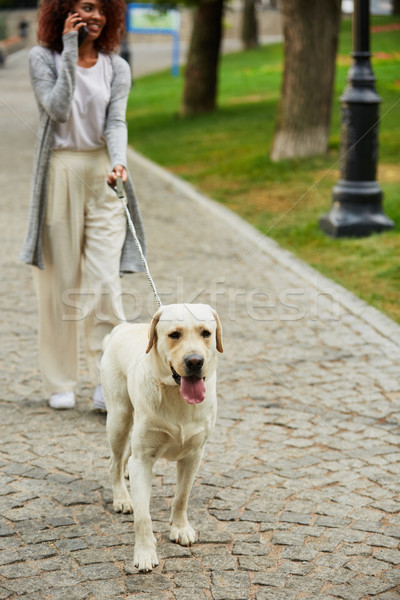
(343, 591)
(305, 584)
(189, 594)
(17, 570)
(356, 549)
(192, 581)
(99, 571)
(333, 522)
(37, 551)
(389, 596)
(29, 596)
(9, 543)
(255, 563)
(72, 593)
(169, 550)
(8, 556)
(269, 579)
(367, 566)
(71, 545)
(387, 555)
(276, 595)
(161, 595)
(332, 560)
(295, 568)
(333, 575)
(250, 549)
(241, 527)
(222, 561)
(214, 537)
(26, 585)
(226, 586)
(106, 589)
(302, 519)
(299, 553)
(288, 538)
(392, 531)
(223, 515)
(88, 557)
(176, 565)
(103, 541)
(373, 527)
(62, 578)
(255, 517)
(54, 564)
(70, 499)
(34, 537)
(370, 585)
(145, 583)
(383, 541)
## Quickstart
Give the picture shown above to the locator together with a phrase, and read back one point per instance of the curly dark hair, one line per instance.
(52, 15)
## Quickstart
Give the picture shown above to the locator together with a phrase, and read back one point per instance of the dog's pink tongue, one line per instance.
(193, 389)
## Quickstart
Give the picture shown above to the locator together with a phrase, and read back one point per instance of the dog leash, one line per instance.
(119, 190)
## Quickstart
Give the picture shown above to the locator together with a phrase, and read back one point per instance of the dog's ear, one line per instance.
(218, 333)
(152, 331)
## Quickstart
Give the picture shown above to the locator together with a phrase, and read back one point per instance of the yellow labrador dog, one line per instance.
(162, 380)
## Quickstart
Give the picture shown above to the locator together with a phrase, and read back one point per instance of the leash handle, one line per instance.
(119, 190)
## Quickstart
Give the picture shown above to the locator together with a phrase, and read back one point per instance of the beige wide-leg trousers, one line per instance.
(83, 235)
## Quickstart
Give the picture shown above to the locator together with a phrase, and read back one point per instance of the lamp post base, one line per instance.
(356, 210)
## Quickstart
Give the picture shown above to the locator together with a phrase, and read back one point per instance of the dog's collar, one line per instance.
(175, 376)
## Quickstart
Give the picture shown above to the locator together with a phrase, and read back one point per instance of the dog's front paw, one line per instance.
(123, 504)
(185, 536)
(145, 558)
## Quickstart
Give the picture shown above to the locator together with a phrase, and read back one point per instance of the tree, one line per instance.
(201, 73)
(249, 24)
(396, 7)
(311, 29)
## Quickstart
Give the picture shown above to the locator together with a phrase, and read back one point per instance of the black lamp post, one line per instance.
(357, 197)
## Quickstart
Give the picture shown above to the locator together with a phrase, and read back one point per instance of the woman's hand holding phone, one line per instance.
(73, 23)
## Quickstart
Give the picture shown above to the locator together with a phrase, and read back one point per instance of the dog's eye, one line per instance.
(205, 333)
(174, 335)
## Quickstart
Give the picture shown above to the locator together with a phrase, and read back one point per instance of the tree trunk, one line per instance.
(311, 29)
(201, 74)
(396, 7)
(249, 24)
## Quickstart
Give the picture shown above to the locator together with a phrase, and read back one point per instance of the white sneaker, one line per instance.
(62, 400)
(98, 399)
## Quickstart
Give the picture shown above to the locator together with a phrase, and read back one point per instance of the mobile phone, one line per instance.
(82, 34)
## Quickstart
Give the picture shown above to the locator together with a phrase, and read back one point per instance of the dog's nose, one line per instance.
(194, 362)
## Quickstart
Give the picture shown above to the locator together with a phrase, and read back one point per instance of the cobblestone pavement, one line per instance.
(298, 493)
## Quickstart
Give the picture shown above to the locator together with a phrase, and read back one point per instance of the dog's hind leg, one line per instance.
(119, 425)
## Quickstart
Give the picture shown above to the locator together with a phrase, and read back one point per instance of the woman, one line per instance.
(76, 222)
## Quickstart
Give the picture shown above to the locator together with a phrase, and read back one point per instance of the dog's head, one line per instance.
(185, 338)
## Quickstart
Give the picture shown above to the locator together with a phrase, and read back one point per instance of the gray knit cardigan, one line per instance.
(54, 97)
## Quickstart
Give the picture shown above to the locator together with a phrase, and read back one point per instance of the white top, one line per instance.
(84, 129)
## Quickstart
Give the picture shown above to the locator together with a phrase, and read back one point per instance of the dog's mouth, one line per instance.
(193, 388)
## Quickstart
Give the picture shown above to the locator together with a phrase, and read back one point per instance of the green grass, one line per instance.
(226, 154)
